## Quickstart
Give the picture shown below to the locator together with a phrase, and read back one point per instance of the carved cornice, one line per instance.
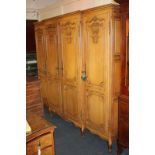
(95, 23)
(68, 28)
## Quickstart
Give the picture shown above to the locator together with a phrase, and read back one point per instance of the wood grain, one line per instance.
(34, 101)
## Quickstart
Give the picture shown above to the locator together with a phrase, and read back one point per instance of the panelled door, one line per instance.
(41, 60)
(53, 71)
(96, 36)
(71, 62)
(41, 53)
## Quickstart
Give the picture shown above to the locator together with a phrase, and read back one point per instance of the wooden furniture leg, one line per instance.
(83, 131)
(110, 145)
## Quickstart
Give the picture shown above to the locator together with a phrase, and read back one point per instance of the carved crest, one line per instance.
(94, 25)
(68, 28)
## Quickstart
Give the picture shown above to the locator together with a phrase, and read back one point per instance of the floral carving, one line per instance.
(94, 25)
(68, 28)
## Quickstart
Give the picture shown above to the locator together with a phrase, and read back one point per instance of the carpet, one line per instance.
(68, 139)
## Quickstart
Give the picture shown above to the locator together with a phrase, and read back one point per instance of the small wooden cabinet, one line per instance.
(41, 137)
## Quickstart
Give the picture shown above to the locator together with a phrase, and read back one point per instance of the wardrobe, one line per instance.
(78, 57)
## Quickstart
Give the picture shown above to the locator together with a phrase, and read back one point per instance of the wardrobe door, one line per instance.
(53, 75)
(53, 96)
(41, 53)
(41, 60)
(96, 40)
(43, 88)
(70, 40)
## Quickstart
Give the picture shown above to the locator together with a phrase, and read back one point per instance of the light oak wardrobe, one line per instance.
(79, 65)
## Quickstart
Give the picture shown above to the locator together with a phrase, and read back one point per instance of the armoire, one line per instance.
(78, 57)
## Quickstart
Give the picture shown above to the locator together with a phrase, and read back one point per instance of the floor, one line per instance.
(68, 139)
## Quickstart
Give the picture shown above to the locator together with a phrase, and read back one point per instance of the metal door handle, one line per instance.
(83, 76)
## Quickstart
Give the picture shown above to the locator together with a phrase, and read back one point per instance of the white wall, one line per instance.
(33, 6)
(65, 6)
(42, 9)
(32, 14)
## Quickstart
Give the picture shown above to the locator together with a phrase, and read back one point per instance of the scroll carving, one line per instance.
(68, 28)
(100, 124)
(94, 24)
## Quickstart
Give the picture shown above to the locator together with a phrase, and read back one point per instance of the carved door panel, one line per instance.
(53, 73)
(69, 31)
(41, 61)
(96, 109)
(70, 48)
(53, 96)
(71, 107)
(41, 53)
(96, 36)
(43, 88)
(52, 51)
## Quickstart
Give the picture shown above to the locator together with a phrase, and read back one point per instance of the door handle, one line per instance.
(83, 76)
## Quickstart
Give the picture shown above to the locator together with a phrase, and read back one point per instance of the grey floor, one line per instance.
(68, 139)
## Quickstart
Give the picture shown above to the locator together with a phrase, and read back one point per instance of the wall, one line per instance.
(33, 7)
(32, 14)
(65, 6)
(39, 9)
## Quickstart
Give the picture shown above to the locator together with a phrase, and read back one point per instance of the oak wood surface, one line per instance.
(69, 27)
(53, 66)
(34, 101)
(102, 59)
(41, 58)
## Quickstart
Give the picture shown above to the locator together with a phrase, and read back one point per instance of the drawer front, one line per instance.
(46, 151)
(45, 141)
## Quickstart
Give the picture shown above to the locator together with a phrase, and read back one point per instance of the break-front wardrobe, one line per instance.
(78, 58)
